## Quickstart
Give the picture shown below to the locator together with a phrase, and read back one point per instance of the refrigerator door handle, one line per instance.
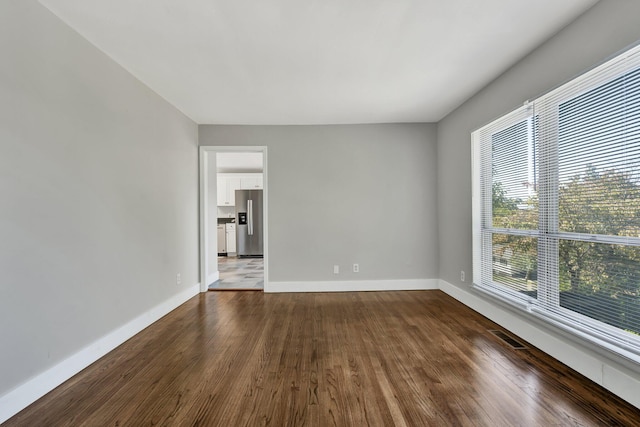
(250, 216)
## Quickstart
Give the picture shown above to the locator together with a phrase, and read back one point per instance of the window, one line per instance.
(557, 206)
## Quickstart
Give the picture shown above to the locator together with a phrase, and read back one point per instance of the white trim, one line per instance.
(204, 151)
(476, 203)
(204, 212)
(213, 277)
(265, 217)
(30, 391)
(354, 285)
(601, 370)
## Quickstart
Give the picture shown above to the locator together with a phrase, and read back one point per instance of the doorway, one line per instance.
(230, 257)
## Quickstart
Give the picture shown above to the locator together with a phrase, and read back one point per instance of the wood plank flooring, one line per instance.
(339, 359)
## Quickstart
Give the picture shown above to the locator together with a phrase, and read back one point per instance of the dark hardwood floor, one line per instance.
(347, 359)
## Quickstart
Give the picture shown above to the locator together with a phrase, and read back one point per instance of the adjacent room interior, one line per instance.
(240, 226)
(356, 124)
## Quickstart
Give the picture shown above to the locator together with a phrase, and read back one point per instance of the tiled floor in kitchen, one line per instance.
(239, 273)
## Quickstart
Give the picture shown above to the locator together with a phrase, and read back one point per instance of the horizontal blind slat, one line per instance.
(560, 214)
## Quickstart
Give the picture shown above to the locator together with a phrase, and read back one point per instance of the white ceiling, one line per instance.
(316, 61)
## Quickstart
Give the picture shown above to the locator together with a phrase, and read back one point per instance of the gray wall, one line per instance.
(346, 194)
(98, 185)
(608, 27)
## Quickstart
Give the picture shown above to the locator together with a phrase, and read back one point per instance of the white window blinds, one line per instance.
(557, 206)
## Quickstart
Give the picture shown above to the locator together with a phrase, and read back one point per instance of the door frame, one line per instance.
(205, 174)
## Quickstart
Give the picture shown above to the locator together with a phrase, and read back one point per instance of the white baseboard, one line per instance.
(599, 369)
(353, 285)
(30, 391)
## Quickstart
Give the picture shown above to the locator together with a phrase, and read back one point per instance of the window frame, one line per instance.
(547, 304)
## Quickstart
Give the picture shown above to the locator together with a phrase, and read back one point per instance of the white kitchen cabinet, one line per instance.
(222, 190)
(230, 229)
(233, 184)
(251, 181)
(227, 185)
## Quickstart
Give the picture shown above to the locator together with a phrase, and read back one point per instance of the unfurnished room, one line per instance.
(320, 213)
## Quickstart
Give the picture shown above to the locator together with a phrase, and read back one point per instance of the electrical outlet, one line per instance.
(178, 279)
(356, 268)
(336, 269)
(462, 275)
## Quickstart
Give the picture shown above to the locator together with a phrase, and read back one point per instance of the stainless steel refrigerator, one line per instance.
(249, 223)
